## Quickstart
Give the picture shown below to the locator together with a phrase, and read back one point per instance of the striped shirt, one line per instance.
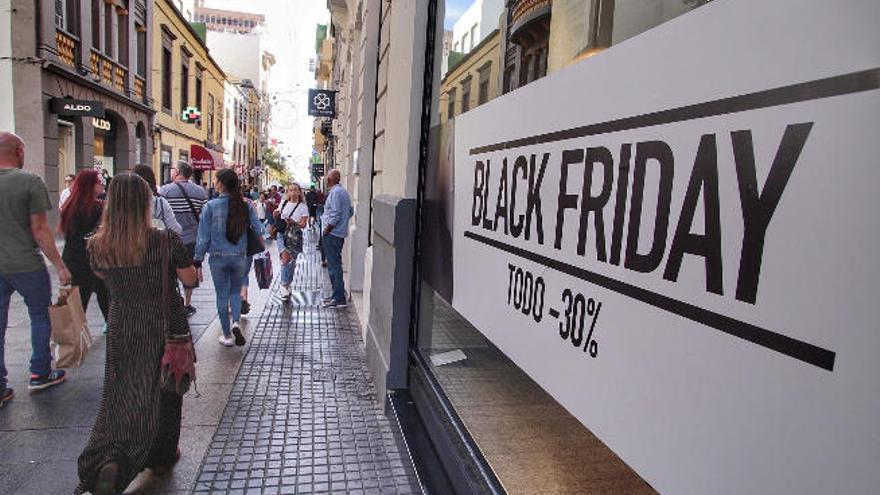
(189, 224)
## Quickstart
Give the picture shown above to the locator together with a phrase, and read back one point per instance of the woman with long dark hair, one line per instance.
(163, 215)
(223, 234)
(138, 423)
(80, 216)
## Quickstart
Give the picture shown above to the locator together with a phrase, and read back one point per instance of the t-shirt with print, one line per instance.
(22, 194)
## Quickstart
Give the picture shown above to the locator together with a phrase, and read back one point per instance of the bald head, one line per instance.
(11, 150)
(333, 177)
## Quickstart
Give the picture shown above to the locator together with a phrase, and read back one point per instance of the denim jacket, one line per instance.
(211, 238)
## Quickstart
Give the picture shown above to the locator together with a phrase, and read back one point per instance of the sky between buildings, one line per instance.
(290, 36)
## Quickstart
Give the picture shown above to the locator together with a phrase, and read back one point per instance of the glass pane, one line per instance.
(527, 438)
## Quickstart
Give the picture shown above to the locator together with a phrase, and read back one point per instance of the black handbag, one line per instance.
(255, 243)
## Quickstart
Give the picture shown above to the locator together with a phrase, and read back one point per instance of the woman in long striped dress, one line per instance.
(138, 424)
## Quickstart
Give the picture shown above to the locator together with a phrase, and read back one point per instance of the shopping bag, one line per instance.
(71, 338)
(263, 271)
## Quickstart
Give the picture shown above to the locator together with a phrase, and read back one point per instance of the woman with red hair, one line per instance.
(80, 216)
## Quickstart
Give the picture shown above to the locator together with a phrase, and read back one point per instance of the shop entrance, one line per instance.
(66, 151)
(105, 144)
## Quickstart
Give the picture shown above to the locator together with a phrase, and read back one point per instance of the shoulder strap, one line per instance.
(188, 201)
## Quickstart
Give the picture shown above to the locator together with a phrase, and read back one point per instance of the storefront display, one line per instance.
(628, 290)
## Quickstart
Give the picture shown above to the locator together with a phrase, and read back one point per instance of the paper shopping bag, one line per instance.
(70, 332)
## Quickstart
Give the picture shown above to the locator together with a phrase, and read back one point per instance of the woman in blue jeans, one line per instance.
(223, 234)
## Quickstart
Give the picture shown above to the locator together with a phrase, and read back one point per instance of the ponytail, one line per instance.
(237, 219)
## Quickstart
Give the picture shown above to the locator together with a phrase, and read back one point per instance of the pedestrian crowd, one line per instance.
(133, 245)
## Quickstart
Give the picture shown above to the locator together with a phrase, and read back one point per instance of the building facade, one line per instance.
(473, 80)
(72, 55)
(237, 41)
(188, 92)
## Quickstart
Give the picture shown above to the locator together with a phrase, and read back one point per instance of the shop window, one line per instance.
(466, 94)
(472, 377)
(140, 144)
(165, 154)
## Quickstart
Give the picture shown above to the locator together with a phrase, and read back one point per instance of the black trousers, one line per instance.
(89, 284)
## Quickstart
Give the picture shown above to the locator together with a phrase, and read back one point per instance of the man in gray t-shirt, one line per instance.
(25, 233)
(186, 200)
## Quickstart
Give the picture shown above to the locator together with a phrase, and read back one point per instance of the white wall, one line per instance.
(489, 16)
(462, 27)
(186, 7)
(482, 13)
(238, 54)
(7, 118)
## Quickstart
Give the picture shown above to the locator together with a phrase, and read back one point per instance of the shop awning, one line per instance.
(205, 159)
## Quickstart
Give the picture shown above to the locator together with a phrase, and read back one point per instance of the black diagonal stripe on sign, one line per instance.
(853, 82)
(797, 349)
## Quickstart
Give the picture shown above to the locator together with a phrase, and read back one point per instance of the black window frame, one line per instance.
(167, 70)
(483, 82)
(185, 59)
(466, 88)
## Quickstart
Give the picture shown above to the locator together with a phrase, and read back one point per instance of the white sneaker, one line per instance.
(225, 341)
(285, 292)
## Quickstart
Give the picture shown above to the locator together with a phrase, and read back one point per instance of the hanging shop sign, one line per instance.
(76, 108)
(191, 115)
(102, 124)
(322, 103)
(318, 169)
(676, 241)
(203, 158)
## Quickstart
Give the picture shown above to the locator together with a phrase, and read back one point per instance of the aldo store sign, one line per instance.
(679, 244)
(70, 107)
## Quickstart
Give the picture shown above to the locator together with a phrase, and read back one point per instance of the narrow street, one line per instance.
(293, 411)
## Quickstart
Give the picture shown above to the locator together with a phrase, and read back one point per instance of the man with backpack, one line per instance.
(186, 199)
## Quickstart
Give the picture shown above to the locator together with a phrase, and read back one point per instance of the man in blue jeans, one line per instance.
(337, 212)
(24, 229)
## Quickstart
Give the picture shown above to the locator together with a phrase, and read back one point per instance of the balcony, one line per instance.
(107, 71)
(139, 85)
(529, 19)
(67, 46)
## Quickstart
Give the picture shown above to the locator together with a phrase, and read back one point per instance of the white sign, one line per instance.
(101, 124)
(677, 239)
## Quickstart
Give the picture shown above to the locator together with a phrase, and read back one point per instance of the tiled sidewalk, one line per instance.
(301, 417)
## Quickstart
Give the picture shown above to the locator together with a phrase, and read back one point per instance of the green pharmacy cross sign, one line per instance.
(191, 115)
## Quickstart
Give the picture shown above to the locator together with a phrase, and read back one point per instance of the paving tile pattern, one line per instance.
(302, 417)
